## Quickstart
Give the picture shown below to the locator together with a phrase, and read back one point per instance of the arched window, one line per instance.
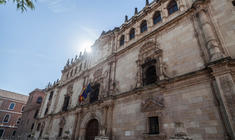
(157, 17)
(12, 106)
(39, 100)
(94, 93)
(172, 7)
(143, 26)
(6, 118)
(122, 40)
(233, 2)
(132, 33)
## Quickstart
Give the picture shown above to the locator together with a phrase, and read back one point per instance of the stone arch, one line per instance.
(85, 120)
(149, 52)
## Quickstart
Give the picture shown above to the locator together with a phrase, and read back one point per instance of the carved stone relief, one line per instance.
(152, 104)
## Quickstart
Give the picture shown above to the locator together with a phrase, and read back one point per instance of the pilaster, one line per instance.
(225, 86)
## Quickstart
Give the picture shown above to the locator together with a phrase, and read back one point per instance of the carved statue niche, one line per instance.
(153, 104)
(150, 51)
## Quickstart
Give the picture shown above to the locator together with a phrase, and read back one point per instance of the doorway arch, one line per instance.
(92, 129)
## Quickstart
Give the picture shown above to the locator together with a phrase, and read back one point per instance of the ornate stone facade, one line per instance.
(172, 79)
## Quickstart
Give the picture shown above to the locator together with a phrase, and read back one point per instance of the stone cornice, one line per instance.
(162, 86)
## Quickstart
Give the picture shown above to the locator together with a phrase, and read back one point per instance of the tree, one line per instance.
(21, 4)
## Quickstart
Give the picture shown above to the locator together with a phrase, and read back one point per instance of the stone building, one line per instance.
(30, 114)
(11, 105)
(168, 72)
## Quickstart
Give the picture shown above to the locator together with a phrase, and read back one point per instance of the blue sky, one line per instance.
(35, 45)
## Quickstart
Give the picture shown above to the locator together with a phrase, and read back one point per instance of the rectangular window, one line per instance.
(51, 95)
(1, 132)
(6, 118)
(14, 133)
(12, 106)
(66, 103)
(60, 132)
(32, 126)
(153, 125)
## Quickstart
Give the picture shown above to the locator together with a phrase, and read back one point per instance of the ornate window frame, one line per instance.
(150, 51)
(153, 107)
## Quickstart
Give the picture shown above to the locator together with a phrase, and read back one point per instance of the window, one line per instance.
(132, 34)
(233, 2)
(157, 17)
(40, 135)
(32, 126)
(38, 127)
(46, 111)
(1, 132)
(150, 75)
(172, 7)
(14, 133)
(122, 40)
(6, 118)
(66, 103)
(60, 132)
(94, 95)
(143, 26)
(35, 114)
(12, 106)
(39, 100)
(153, 125)
(51, 95)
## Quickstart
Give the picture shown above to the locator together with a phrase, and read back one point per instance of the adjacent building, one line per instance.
(30, 114)
(166, 73)
(11, 106)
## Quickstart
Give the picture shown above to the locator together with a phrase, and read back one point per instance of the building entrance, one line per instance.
(92, 129)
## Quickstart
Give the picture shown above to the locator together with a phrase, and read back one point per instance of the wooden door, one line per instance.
(92, 129)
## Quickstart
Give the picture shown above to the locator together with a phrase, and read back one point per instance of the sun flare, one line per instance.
(86, 46)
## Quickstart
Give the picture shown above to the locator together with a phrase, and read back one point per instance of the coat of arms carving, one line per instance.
(152, 104)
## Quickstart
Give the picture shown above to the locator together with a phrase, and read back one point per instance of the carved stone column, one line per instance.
(212, 43)
(225, 91)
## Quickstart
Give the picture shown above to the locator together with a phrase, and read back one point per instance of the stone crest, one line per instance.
(152, 104)
(98, 73)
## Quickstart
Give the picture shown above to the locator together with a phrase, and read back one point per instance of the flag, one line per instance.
(85, 92)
